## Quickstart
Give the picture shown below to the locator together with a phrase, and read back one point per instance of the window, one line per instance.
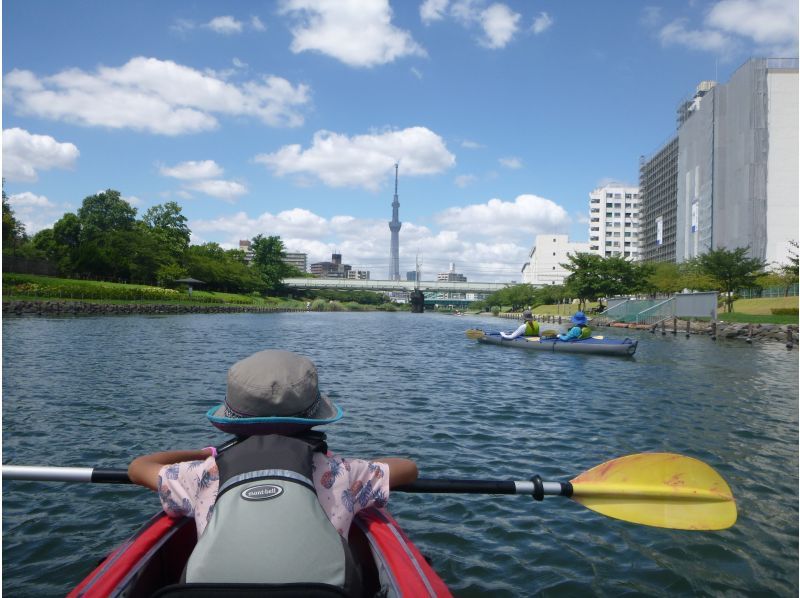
(608, 233)
(554, 240)
(554, 267)
(616, 234)
(609, 195)
(608, 243)
(617, 205)
(554, 253)
(627, 233)
(618, 196)
(609, 204)
(627, 196)
(609, 214)
(617, 214)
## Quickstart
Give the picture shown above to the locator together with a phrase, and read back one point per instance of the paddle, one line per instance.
(656, 489)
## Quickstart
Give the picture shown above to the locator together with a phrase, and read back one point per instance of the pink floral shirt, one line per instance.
(344, 487)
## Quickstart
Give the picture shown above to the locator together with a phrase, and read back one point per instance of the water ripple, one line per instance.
(96, 391)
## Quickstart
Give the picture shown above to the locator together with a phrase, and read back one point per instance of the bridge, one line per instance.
(439, 286)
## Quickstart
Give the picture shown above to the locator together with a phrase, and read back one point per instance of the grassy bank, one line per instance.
(29, 287)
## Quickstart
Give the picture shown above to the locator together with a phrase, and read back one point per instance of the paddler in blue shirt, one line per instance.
(579, 330)
(529, 327)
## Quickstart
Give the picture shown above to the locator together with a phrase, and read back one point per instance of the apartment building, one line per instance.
(614, 212)
(545, 258)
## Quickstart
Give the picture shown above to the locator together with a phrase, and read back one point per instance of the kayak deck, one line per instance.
(602, 346)
(154, 558)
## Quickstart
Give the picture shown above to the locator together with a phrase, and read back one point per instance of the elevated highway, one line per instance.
(346, 284)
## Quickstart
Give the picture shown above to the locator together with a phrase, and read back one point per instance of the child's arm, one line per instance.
(401, 471)
(144, 470)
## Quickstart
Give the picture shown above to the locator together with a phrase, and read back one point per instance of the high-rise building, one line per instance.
(545, 258)
(332, 269)
(614, 221)
(244, 245)
(737, 180)
(658, 190)
(451, 275)
(394, 227)
(298, 260)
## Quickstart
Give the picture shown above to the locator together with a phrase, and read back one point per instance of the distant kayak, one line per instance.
(597, 345)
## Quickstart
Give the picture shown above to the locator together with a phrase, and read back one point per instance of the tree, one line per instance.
(586, 280)
(268, 253)
(103, 213)
(168, 224)
(666, 278)
(13, 230)
(730, 270)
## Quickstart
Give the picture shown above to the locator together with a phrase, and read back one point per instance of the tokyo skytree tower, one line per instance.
(394, 226)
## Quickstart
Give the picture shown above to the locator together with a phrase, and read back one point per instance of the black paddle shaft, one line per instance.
(459, 487)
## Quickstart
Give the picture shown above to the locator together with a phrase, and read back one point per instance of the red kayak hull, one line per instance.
(155, 556)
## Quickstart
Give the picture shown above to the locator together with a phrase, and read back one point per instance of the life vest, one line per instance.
(267, 525)
(531, 328)
(586, 332)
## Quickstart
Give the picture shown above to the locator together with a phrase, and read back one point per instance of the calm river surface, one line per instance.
(97, 391)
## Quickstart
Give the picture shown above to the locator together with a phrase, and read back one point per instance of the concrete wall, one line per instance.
(547, 255)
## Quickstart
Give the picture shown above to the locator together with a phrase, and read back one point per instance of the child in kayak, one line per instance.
(529, 327)
(579, 331)
(272, 401)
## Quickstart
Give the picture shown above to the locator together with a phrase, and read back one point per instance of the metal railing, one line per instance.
(658, 313)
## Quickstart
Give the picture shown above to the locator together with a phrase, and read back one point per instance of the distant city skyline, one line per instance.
(503, 115)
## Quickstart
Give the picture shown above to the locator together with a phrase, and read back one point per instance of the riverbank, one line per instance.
(786, 333)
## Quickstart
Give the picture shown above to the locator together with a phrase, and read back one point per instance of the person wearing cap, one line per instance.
(580, 330)
(272, 403)
(529, 327)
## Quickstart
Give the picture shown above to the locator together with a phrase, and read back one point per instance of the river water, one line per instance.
(96, 391)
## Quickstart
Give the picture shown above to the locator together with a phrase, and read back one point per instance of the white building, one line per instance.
(614, 221)
(358, 274)
(544, 261)
(451, 275)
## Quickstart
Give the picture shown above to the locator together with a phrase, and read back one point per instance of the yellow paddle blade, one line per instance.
(475, 333)
(658, 489)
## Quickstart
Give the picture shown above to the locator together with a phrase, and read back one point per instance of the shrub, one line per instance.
(319, 305)
(495, 310)
(387, 307)
(784, 311)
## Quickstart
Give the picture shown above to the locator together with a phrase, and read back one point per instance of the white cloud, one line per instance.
(192, 169)
(511, 162)
(766, 22)
(676, 33)
(239, 64)
(432, 10)
(363, 160)
(24, 154)
(257, 24)
(225, 25)
(499, 24)
(416, 72)
(542, 23)
(225, 190)
(651, 16)
(465, 180)
(358, 34)
(363, 243)
(471, 144)
(36, 212)
(519, 220)
(766, 26)
(156, 96)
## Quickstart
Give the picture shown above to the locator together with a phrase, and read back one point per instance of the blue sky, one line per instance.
(287, 117)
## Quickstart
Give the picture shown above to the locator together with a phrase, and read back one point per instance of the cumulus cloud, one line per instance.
(364, 243)
(24, 154)
(155, 96)
(519, 220)
(363, 160)
(542, 23)
(226, 25)
(356, 33)
(36, 212)
(511, 162)
(432, 10)
(498, 23)
(225, 190)
(766, 26)
(191, 169)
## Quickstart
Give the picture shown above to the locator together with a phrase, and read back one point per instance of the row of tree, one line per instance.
(593, 277)
(105, 240)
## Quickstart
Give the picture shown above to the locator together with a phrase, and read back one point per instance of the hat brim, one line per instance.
(328, 411)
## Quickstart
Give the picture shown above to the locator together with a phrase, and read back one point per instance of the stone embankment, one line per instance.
(786, 333)
(96, 309)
